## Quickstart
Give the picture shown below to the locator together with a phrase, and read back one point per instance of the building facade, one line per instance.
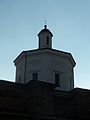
(46, 64)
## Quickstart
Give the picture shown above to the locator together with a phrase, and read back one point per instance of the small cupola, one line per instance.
(45, 38)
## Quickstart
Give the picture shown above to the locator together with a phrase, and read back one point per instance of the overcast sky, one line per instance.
(68, 20)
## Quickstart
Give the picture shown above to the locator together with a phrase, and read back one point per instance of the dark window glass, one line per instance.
(39, 41)
(57, 77)
(47, 40)
(19, 78)
(34, 76)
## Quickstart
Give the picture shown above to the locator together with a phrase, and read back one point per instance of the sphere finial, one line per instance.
(45, 26)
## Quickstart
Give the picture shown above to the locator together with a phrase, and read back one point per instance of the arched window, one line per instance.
(35, 76)
(39, 42)
(19, 78)
(57, 79)
(47, 40)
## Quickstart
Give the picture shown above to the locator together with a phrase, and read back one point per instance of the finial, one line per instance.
(45, 26)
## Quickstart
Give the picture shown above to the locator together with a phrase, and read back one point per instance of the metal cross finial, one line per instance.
(45, 22)
(45, 26)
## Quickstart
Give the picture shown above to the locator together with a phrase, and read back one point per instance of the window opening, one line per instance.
(34, 76)
(19, 78)
(47, 40)
(57, 79)
(39, 42)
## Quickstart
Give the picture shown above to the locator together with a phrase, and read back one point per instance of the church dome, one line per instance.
(45, 30)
